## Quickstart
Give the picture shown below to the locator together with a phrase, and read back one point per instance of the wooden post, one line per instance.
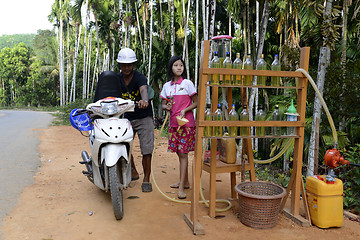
(295, 184)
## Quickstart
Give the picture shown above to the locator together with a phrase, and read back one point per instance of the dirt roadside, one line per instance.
(57, 205)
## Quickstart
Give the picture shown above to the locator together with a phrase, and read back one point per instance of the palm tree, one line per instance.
(56, 15)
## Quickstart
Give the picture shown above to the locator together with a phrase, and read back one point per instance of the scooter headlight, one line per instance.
(110, 107)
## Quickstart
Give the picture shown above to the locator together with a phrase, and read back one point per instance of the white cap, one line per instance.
(126, 55)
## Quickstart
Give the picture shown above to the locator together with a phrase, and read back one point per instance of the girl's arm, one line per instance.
(191, 107)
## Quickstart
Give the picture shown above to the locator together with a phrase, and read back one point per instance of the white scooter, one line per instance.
(110, 138)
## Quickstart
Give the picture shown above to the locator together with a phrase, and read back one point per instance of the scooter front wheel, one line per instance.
(115, 191)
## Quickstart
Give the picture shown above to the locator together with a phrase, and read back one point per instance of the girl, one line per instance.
(180, 98)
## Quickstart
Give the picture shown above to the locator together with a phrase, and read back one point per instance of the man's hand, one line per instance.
(143, 104)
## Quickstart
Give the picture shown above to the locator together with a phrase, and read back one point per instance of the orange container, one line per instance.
(227, 150)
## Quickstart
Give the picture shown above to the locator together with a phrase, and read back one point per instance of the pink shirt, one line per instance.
(181, 92)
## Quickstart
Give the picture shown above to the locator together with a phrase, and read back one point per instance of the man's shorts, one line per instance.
(182, 141)
(144, 127)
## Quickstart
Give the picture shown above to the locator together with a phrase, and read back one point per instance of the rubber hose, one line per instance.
(174, 199)
(331, 121)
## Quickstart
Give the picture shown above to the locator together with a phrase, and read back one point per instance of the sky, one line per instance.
(24, 16)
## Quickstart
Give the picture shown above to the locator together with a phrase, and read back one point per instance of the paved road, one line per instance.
(19, 158)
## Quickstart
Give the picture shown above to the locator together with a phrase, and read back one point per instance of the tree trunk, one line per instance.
(212, 18)
(151, 39)
(95, 72)
(61, 59)
(343, 54)
(260, 47)
(172, 45)
(113, 55)
(197, 43)
(324, 60)
(185, 49)
(77, 43)
(89, 68)
(205, 11)
(140, 36)
(85, 43)
(121, 21)
(97, 36)
(162, 31)
(67, 62)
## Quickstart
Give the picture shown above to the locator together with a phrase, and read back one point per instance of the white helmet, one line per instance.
(126, 55)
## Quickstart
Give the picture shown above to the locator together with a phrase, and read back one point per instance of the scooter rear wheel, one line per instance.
(115, 191)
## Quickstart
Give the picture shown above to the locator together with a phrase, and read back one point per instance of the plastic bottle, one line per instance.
(237, 64)
(291, 116)
(215, 63)
(227, 64)
(233, 116)
(218, 116)
(261, 65)
(275, 66)
(260, 116)
(248, 64)
(208, 130)
(276, 116)
(244, 116)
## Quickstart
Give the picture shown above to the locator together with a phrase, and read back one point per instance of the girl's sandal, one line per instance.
(182, 195)
(176, 185)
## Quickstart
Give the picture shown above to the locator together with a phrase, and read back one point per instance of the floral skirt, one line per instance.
(182, 141)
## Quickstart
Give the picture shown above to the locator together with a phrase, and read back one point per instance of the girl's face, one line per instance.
(178, 68)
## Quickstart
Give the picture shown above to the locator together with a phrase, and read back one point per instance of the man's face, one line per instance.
(126, 68)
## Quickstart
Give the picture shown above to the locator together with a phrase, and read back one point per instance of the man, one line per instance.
(134, 87)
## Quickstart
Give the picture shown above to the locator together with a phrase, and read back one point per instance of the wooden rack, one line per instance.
(214, 167)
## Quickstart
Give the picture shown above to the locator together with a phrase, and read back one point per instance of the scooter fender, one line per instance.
(112, 152)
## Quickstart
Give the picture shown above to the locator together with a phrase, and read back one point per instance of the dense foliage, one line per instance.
(350, 177)
(27, 79)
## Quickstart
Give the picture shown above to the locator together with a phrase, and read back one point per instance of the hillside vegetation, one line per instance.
(12, 40)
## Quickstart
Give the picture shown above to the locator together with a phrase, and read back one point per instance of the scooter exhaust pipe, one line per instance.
(87, 162)
(85, 157)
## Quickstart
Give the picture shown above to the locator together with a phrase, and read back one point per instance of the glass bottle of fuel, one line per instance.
(237, 64)
(261, 65)
(275, 66)
(260, 116)
(276, 116)
(292, 117)
(248, 64)
(208, 130)
(244, 116)
(218, 116)
(227, 64)
(215, 63)
(233, 116)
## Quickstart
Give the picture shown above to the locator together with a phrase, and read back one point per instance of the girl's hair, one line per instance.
(170, 65)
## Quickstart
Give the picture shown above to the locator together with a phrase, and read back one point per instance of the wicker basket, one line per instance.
(259, 203)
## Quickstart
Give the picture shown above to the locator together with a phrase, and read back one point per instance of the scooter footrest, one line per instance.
(83, 162)
(86, 173)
